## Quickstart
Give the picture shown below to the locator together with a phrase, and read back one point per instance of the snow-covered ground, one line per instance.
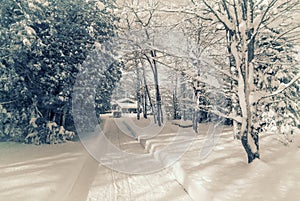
(68, 172)
(110, 185)
(225, 175)
(35, 173)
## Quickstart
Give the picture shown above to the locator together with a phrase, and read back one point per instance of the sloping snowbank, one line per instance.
(225, 174)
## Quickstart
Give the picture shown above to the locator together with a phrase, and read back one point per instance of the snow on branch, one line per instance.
(282, 87)
(258, 21)
(218, 113)
(228, 74)
(220, 17)
(184, 11)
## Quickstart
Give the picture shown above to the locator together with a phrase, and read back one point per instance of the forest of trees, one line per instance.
(248, 47)
(238, 57)
(43, 43)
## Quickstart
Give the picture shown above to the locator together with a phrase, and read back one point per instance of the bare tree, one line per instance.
(243, 21)
(139, 20)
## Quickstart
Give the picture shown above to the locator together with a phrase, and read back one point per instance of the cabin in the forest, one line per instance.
(125, 105)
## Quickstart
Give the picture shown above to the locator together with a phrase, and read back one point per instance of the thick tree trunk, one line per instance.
(251, 155)
(252, 151)
(255, 138)
(250, 140)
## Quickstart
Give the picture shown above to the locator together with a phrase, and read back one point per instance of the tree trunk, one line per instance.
(251, 155)
(138, 115)
(145, 104)
(175, 99)
(63, 117)
(138, 93)
(153, 65)
(158, 106)
(249, 76)
(175, 111)
(146, 92)
(236, 134)
(150, 102)
(195, 121)
(233, 71)
(157, 91)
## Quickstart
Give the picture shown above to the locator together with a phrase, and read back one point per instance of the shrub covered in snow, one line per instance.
(40, 132)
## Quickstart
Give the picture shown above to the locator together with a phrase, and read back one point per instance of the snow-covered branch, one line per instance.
(8, 102)
(259, 20)
(224, 72)
(218, 113)
(281, 88)
(220, 17)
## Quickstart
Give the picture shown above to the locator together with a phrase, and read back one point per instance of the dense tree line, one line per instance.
(42, 46)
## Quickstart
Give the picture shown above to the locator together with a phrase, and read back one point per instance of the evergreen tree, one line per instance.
(42, 45)
(275, 67)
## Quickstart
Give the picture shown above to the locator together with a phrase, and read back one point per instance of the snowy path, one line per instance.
(113, 186)
(66, 172)
(110, 185)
